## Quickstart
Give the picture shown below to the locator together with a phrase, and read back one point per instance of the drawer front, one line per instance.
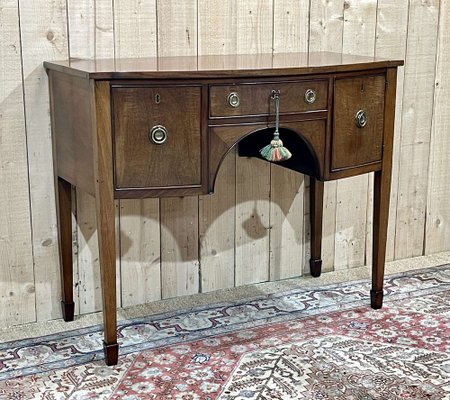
(358, 121)
(255, 99)
(157, 136)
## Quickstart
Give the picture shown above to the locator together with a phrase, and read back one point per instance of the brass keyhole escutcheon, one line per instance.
(157, 98)
(234, 100)
(361, 119)
(158, 134)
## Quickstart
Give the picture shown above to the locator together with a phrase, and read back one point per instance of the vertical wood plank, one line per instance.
(91, 28)
(326, 34)
(286, 224)
(252, 221)
(76, 276)
(135, 28)
(326, 25)
(88, 285)
(140, 252)
(353, 194)
(291, 26)
(135, 36)
(91, 35)
(67, 234)
(44, 37)
(217, 214)
(177, 35)
(417, 114)
(392, 26)
(438, 199)
(351, 223)
(254, 35)
(89, 282)
(90, 295)
(286, 252)
(216, 229)
(177, 28)
(179, 246)
(17, 290)
(217, 27)
(254, 19)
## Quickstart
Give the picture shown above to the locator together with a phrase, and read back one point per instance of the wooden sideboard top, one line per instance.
(220, 66)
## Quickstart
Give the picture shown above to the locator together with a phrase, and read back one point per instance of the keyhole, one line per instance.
(362, 87)
(157, 98)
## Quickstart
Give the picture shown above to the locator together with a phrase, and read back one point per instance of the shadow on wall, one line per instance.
(253, 225)
(16, 262)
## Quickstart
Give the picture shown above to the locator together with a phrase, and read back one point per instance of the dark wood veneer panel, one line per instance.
(140, 163)
(72, 129)
(351, 145)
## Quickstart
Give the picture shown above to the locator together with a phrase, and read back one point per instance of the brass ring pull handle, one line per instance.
(361, 119)
(158, 134)
(234, 100)
(310, 96)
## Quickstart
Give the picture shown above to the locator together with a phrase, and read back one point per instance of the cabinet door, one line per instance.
(157, 136)
(357, 121)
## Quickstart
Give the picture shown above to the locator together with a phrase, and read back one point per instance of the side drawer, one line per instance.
(255, 99)
(358, 119)
(171, 157)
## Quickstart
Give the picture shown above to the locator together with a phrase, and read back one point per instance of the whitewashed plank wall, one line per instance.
(256, 226)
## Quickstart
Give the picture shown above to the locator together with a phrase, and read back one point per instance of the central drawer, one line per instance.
(255, 98)
(157, 136)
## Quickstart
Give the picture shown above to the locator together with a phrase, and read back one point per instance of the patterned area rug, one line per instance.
(323, 343)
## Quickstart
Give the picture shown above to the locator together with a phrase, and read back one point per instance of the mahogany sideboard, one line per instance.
(155, 127)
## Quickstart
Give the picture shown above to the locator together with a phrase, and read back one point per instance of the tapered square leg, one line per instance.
(107, 257)
(105, 213)
(381, 194)
(316, 206)
(64, 203)
(380, 222)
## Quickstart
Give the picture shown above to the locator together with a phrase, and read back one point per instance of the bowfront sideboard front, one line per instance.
(156, 127)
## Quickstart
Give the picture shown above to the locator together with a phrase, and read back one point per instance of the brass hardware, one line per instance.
(158, 134)
(310, 96)
(361, 119)
(157, 98)
(234, 100)
(276, 98)
(275, 94)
